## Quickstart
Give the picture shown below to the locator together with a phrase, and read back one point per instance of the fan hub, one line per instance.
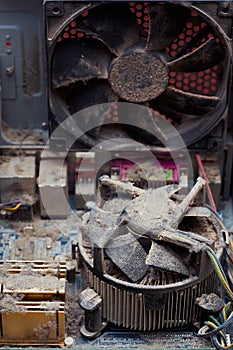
(139, 77)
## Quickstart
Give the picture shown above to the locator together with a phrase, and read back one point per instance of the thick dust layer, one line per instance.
(74, 315)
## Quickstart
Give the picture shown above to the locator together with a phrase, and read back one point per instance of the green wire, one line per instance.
(213, 319)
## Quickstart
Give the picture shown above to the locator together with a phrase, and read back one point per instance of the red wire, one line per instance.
(203, 173)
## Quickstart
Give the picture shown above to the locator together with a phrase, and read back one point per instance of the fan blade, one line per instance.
(101, 227)
(115, 25)
(79, 60)
(205, 56)
(147, 130)
(144, 211)
(186, 102)
(177, 117)
(93, 93)
(166, 23)
(160, 256)
(128, 255)
(169, 112)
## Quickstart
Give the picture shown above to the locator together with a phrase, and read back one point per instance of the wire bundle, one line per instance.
(219, 271)
(13, 206)
(215, 327)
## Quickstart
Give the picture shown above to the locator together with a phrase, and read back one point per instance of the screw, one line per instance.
(69, 341)
(10, 70)
(44, 126)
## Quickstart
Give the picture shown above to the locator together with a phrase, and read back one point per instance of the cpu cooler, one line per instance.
(139, 259)
(171, 57)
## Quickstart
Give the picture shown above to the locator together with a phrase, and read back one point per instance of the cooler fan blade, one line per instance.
(128, 255)
(162, 257)
(204, 57)
(79, 60)
(115, 25)
(93, 93)
(186, 102)
(166, 23)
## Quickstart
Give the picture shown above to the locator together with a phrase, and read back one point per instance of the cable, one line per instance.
(216, 261)
(220, 346)
(203, 173)
(214, 328)
(13, 206)
(226, 310)
(219, 270)
(9, 204)
(16, 207)
(214, 320)
(215, 325)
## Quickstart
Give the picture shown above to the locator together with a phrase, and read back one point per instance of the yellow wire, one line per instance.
(224, 313)
(212, 324)
(13, 208)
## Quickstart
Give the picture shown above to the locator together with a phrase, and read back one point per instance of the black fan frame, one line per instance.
(207, 137)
